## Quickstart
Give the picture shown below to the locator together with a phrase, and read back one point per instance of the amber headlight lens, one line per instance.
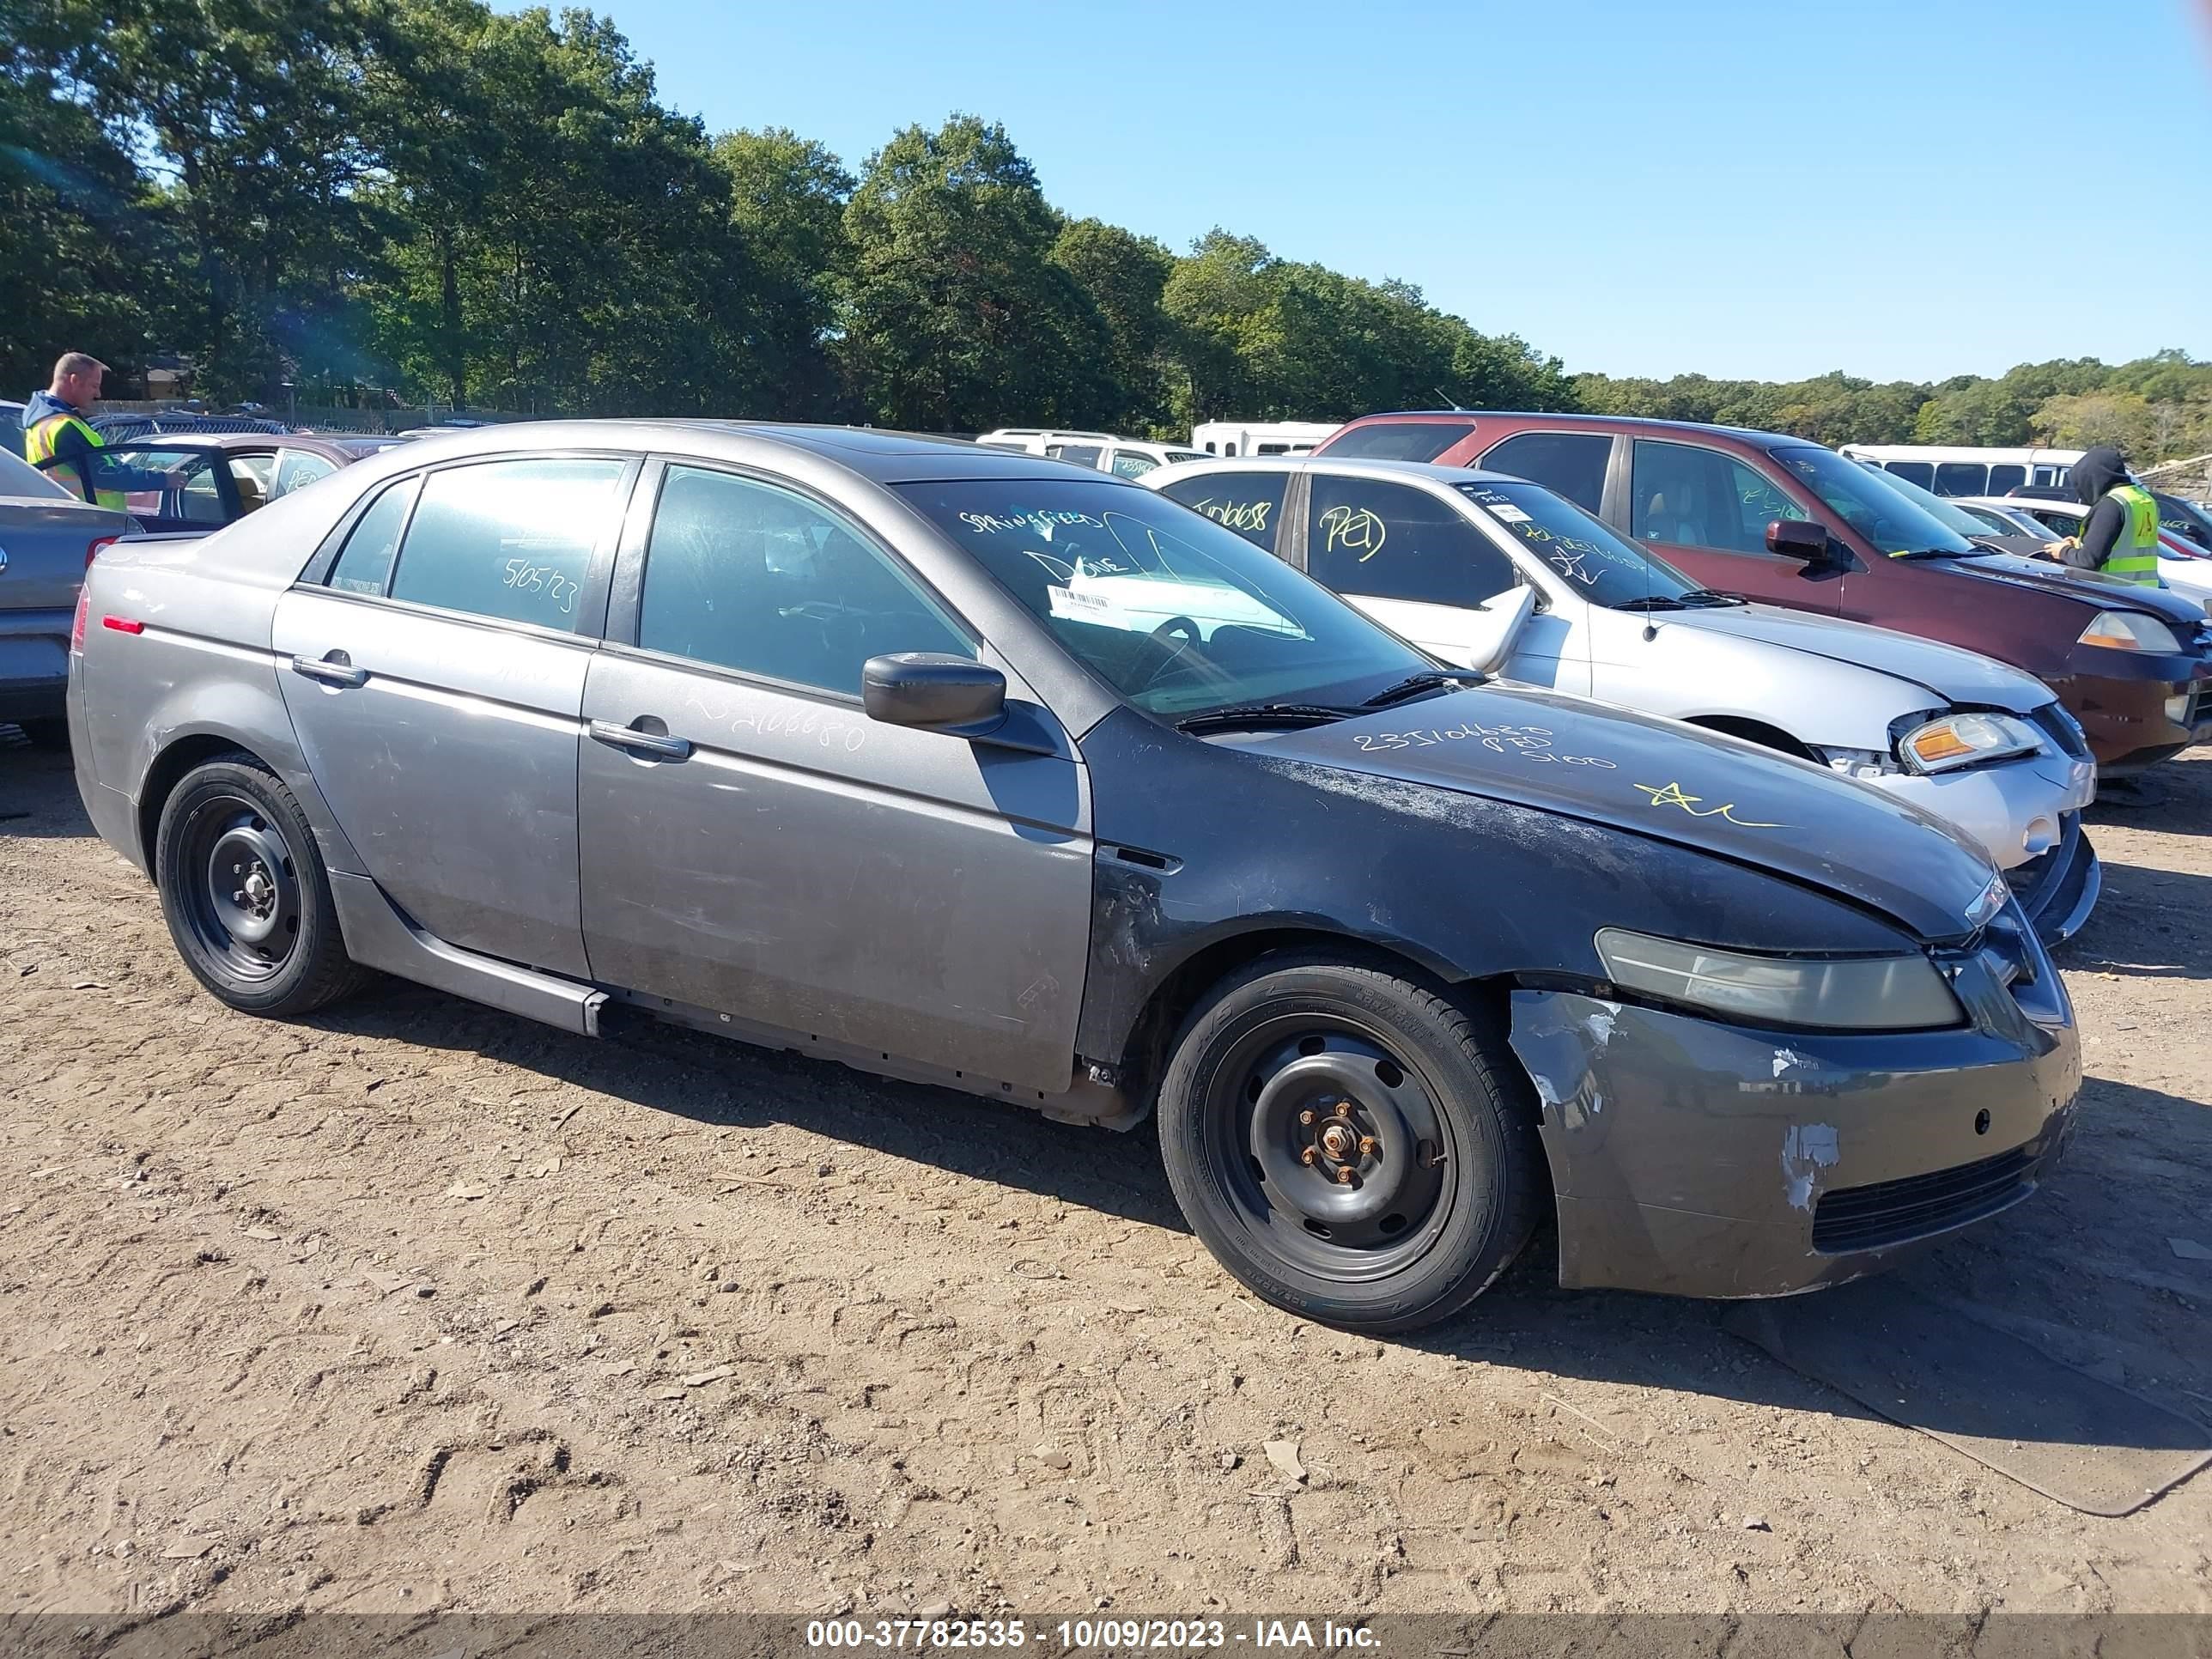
(1966, 740)
(1844, 993)
(2130, 630)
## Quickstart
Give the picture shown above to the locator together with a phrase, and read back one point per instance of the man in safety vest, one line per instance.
(2119, 538)
(60, 442)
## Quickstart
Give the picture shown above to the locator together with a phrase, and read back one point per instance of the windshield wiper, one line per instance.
(1711, 596)
(1425, 682)
(1652, 602)
(1262, 713)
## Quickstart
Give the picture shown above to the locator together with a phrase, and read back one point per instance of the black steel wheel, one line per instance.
(247, 900)
(1353, 1146)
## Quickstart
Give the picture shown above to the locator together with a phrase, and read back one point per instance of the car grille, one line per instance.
(1891, 1212)
(2062, 729)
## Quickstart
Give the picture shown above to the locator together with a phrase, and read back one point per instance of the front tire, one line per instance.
(1354, 1148)
(246, 898)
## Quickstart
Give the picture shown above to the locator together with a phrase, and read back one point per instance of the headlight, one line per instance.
(1960, 740)
(2130, 630)
(1858, 994)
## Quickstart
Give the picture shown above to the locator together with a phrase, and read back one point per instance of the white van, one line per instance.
(1234, 437)
(1961, 470)
(1102, 452)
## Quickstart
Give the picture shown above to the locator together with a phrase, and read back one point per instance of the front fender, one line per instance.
(1200, 843)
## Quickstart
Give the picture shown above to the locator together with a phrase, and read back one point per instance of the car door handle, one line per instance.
(644, 743)
(336, 669)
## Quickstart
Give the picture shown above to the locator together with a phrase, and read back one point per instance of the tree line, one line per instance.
(494, 210)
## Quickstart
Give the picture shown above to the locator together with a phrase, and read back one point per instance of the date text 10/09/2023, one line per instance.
(1083, 1635)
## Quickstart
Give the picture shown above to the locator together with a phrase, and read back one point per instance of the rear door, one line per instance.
(434, 674)
(1249, 503)
(755, 845)
(1707, 511)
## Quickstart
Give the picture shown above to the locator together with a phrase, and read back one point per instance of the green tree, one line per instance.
(560, 242)
(958, 319)
(77, 214)
(787, 198)
(1124, 277)
(2119, 418)
(250, 112)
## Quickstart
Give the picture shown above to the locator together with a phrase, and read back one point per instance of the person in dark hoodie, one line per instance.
(61, 443)
(2119, 539)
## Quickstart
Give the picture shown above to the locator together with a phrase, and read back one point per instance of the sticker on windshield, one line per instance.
(1086, 604)
(1508, 512)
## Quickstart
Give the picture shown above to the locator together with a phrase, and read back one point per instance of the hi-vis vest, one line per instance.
(2134, 558)
(38, 445)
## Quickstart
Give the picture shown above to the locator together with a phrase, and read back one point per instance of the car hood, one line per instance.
(1671, 782)
(1952, 674)
(2102, 592)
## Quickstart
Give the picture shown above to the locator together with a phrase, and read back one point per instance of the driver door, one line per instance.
(754, 846)
(1707, 511)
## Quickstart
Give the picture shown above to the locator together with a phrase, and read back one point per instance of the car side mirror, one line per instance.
(934, 690)
(1797, 539)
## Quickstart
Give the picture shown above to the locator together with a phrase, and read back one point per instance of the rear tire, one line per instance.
(1355, 1148)
(246, 898)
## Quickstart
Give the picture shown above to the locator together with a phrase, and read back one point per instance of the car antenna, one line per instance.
(1452, 403)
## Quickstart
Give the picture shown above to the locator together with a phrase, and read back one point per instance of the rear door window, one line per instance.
(1389, 541)
(1080, 454)
(510, 540)
(2003, 480)
(1920, 473)
(365, 564)
(300, 468)
(1249, 503)
(1569, 464)
(1129, 463)
(1962, 478)
(1687, 496)
(1400, 440)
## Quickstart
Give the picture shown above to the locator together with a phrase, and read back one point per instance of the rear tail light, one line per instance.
(93, 552)
(83, 610)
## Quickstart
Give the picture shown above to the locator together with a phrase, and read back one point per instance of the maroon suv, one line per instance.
(1783, 520)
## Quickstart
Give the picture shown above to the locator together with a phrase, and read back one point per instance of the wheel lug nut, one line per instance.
(1369, 1145)
(1343, 1177)
(1308, 1155)
(1344, 1109)
(1306, 1116)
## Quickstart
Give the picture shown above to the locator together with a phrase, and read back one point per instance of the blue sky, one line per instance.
(1644, 187)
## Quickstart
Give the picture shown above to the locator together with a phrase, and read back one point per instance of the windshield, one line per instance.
(1944, 512)
(1882, 507)
(1602, 565)
(1172, 610)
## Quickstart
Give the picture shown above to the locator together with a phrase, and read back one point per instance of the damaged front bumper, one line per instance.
(1697, 1158)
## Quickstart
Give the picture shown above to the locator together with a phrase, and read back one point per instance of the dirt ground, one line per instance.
(418, 1305)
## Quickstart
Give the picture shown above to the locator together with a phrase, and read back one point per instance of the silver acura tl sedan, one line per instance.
(965, 767)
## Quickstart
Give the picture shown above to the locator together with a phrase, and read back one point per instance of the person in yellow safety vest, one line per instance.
(60, 442)
(2119, 539)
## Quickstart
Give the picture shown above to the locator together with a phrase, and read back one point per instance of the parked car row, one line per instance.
(1782, 521)
(963, 765)
(1495, 573)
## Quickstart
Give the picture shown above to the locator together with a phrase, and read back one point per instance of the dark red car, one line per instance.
(1785, 520)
